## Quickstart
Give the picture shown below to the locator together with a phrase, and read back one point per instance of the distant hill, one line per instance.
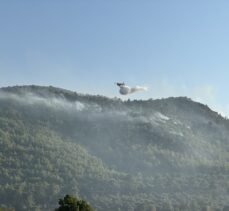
(171, 153)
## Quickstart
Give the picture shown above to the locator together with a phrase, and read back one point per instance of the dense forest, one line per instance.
(164, 154)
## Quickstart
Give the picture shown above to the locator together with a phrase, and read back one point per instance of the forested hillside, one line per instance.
(171, 153)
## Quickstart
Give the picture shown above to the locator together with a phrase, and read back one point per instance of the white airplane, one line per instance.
(125, 90)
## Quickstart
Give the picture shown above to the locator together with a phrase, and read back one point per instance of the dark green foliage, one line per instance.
(70, 203)
(169, 153)
(6, 209)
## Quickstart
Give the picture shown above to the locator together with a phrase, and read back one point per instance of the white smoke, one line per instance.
(49, 101)
(125, 90)
(138, 88)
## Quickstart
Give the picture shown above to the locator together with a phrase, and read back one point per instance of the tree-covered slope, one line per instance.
(119, 155)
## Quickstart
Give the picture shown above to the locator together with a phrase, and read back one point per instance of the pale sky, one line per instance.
(176, 48)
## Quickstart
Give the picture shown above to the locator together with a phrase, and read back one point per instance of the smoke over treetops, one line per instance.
(116, 154)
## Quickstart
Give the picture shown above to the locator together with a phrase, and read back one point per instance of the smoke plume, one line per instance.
(125, 90)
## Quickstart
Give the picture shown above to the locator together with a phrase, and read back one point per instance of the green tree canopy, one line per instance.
(71, 203)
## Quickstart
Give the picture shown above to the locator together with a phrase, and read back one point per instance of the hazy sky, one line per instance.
(176, 48)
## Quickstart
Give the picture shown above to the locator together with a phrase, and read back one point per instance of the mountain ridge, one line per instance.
(65, 93)
(162, 153)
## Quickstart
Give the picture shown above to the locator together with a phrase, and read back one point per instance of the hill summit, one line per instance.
(164, 154)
